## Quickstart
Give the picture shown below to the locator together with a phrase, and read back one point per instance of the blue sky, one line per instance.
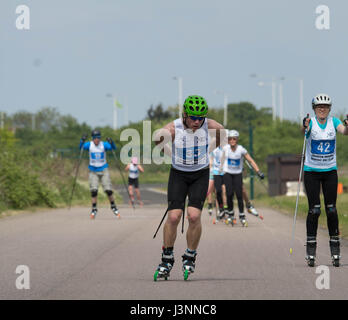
(78, 51)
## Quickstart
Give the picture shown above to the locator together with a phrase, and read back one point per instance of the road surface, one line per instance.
(69, 256)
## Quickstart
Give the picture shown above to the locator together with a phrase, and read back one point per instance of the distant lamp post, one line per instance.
(225, 105)
(179, 94)
(109, 95)
(273, 86)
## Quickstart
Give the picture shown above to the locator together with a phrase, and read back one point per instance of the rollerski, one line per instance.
(164, 268)
(335, 251)
(221, 214)
(93, 213)
(311, 251)
(243, 220)
(251, 209)
(231, 219)
(188, 262)
(116, 212)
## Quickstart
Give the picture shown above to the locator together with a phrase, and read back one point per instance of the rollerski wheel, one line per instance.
(186, 274)
(93, 214)
(188, 263)
(335, 250)
(164, 268)
(244, 223)
(116, 212)
(230, 221)
(310, 261)
(336, 261)
(160, 275)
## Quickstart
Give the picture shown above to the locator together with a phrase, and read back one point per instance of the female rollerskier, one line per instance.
(232, 161)
(320, 169)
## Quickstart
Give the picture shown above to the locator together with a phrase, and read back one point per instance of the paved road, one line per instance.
(150, 194)
(72, 257)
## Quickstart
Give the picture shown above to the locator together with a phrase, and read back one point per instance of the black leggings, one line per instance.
(218, 182)
(234, 184)
(328, 181)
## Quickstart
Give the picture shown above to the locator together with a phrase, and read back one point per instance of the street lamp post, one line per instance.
(109, 95)
(225, 105)
(281, 101)
(273, 86)
(179, 94)
(301, 103)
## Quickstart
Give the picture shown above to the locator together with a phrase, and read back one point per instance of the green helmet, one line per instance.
(196, 106)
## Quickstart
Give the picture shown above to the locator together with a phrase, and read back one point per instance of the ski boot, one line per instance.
(188, 262)
(242, 220)
(115, 211)
(335, 250)
(164, 268)
(251, 209)
(221, 214)
(93, 213)
(231, 219)
(311, 251)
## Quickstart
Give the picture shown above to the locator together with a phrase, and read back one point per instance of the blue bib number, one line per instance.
(323, 146)
(233, 162)
(97, 155)
(192, 155)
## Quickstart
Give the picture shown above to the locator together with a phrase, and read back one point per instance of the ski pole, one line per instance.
(76, 173)
(161, 223)
(124, 181)
(298, 188)
(183, 218)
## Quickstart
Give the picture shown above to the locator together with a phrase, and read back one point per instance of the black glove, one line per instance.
(84, 138)
(109, 140)
(345, 121)
(304, 121)
(261, 175)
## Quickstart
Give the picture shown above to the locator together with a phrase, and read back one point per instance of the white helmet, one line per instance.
(233, 134)
(321, 98)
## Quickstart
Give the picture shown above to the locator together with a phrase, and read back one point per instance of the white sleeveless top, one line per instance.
(133, 171)
(321, 146)
(233, 163)
(97, 154)
(190, 149)
(217, 155)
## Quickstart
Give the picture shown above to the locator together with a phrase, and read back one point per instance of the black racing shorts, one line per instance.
(193, 185)
(133, 182)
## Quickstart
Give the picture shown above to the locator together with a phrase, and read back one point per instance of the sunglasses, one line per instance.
(194, 118)
(96, 137)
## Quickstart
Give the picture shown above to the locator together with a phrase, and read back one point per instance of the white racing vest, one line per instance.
(217, 155)
(190, 149)
(321, 146)
(234, 159)
(133, 171)
(97, 154)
